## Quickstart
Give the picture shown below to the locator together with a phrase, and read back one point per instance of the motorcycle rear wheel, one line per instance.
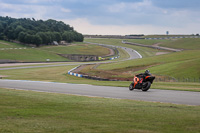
(146, 86)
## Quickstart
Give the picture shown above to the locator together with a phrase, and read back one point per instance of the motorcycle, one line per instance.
(141, 82)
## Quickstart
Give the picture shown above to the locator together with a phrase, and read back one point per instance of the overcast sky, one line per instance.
(116, 17)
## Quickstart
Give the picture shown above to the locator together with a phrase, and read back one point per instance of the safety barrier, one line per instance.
(87, 76)
(162, 38)
(75, 74)
(114, 58)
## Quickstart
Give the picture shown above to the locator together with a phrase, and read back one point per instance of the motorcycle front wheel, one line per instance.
(146, 86)
(130, 87)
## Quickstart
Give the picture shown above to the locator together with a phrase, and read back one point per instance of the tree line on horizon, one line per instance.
(37, 32)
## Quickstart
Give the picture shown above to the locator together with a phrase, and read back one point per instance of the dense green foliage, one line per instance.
(37, 32)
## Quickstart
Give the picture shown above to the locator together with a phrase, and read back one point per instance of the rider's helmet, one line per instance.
(147, 72)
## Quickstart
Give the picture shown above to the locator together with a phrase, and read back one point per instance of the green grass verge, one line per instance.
(183, 86)
(6, 44)
(147, 42)
(48, 52)
(183, 43)
(30, 55)
(85, 49)
(26, 111)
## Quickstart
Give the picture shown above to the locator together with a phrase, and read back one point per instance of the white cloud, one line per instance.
(24, 10)
(141, 5)
(126, 6)
(83, 26)
(41, 1)
(33, 1)
(65, 10)
(116, 7)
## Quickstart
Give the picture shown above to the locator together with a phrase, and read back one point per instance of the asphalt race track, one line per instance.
(153, 95)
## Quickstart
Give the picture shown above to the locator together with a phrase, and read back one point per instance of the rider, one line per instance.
(146, 73)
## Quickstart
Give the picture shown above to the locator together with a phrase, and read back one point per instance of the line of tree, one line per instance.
(37, 32)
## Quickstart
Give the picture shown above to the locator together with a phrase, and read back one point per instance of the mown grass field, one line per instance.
(147, 42)
(30, 55)
(5, 44)
(184, 43)
(47, 52)
(85, 49)
(26, 111)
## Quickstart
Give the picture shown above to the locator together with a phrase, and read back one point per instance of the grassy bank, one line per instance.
(176, 66)
(25, 111)
(47, 52)
(6, 44)
(181, 43)
(30, 55)
(186, 43)
(85, 49)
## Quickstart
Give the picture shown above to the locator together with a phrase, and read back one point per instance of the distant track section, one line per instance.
(175, 37)
(132, 53)
(155, 47)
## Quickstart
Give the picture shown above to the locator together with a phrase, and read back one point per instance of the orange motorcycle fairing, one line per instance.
(136, 80)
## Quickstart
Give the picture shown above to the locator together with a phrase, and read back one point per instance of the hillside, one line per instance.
(174, 66)
(14, 52)
(179, 43)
